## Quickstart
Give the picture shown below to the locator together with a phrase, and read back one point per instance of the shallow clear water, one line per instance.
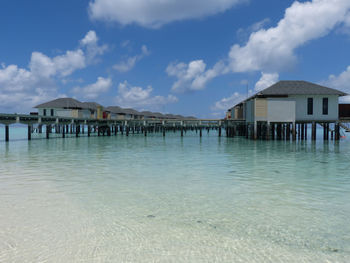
(173, 199)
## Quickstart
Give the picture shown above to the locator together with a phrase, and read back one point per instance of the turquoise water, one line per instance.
(173, 199)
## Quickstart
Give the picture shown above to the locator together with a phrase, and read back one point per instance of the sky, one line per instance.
(189, 57)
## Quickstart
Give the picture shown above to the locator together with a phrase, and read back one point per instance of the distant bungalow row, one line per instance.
(69, 107)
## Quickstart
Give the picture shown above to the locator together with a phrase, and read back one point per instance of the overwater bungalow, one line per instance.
(64, 107)
(289, 103)
(96, 110)
(116, 113)
(133, 114)
(148, 115)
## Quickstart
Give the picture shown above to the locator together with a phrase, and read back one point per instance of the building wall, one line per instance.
(260, 109)
(301, 107)
(290, 109)
(281, 110)
(249, 111)
(57, 112)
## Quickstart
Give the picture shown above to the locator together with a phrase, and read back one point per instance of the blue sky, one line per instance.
(190, 57)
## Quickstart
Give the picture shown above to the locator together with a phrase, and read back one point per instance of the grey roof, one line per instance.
(170, 116)
(294, 87)
(91, 105)
(288, 87)
(158, 115)
(147, 113)
(68, 103)
(115, 109)
(190, 118)
(131, 111)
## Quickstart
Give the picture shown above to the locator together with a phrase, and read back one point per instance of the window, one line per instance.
(310, 106)
(52, 112)
(325, 106)
(44, 112)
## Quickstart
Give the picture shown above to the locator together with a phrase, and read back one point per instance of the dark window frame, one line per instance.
(44, 112)
(325, 106)
(310, 106)
(52, 112)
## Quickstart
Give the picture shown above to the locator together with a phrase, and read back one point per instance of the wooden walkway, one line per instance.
(77, 126)
(258, 130)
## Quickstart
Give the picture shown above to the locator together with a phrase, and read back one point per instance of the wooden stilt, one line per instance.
(29, 132)
(294, 136)
(288, 132)
(7, 133)
(48, 127)
(337, 132)
(305, 133)
(313, 131)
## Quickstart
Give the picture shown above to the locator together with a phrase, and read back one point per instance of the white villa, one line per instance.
(289, 101)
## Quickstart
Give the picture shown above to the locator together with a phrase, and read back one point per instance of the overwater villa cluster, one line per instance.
(69, 107)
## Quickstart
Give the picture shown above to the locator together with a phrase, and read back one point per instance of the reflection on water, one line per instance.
(173, 199)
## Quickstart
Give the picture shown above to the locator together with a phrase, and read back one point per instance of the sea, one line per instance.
(173, 199)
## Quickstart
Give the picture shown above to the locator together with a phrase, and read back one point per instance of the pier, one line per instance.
(105, 127)
(231, 128)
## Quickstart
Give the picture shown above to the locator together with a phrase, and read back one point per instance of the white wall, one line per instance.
(249, 112)
(281, 110)
(301, 107)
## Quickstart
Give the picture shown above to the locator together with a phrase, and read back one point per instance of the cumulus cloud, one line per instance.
(130, 62)
(93, 49)
(138, 97)
(155, 13)
(266, 80)
(273, 49)
(243, 33)
(23, 88)
(340, 82)
(268, 50)
(92, 91)
(192, 76)
(225, 103)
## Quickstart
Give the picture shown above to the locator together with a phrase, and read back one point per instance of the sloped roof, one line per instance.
(147, 113)
(132, 111)
(91, 105)
(294, 87)
(115, 109)
(190, 118)
(287, 87)
(62, 103)
(158, 115)
(170, 116)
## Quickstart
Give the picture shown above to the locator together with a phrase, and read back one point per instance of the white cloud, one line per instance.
(340, 82)
(138, 97)
(93, 49)
(92, 91)
(266, 80)
(268, 50)
(129, 63)
(225, 103)
(273, 49)
(243, 33)
(23, 88)
(155, 13)
(192, 76)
